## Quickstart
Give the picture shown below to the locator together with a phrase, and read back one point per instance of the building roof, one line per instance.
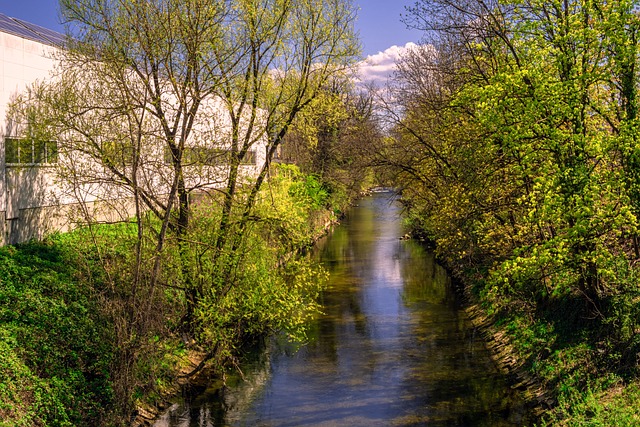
(30, 31)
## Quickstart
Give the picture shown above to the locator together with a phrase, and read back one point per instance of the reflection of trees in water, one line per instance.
(223, 404)
(424, 279)
(447, 376)
(238, 398)
(341, 304)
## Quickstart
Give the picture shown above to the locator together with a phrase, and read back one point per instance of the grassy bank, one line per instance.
(575, 363)
(55, 351)
(577, 371)
(81, 345)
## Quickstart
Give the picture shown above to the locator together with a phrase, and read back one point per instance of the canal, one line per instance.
(392, 348)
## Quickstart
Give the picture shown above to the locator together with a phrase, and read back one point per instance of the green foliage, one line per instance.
(331, 140)
(260, 303)
(267, 288)
(53, 342)
(209, 268)
(324, 115)
(71, 305)
(517, 154)
(617, 406)
(292, 209)
(310, 191)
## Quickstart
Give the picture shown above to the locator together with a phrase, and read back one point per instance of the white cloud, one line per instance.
(379, 68)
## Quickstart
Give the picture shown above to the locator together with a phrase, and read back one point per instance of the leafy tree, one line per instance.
(155, 105)
(531, 92)
(333, 139)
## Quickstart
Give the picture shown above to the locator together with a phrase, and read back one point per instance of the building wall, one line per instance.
(23, 193)
(33, 200)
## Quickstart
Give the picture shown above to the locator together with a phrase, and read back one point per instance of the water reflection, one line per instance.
(391, 349)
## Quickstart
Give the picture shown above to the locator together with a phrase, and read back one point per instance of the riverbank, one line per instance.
(497, 341)
(91, 330)
(563, 386)
(537, 399)
(524, 172)
(197, 368)
(559, 360)
(55, 342)
(195, 371)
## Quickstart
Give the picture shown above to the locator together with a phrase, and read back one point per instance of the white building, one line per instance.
(33, 200)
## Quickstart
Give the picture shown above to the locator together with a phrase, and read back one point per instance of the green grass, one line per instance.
(54, 356)
(576, 358)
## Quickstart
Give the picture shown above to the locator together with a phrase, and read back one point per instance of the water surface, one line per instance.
(392, 348)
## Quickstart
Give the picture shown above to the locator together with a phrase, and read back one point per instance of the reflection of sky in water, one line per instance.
(391, 349)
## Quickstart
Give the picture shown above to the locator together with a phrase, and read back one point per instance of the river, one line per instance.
(393, 347)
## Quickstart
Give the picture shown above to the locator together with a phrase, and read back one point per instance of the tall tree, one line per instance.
(525, 173)
(147, 87)
(155, 103)
(538, 116)
(332, 140)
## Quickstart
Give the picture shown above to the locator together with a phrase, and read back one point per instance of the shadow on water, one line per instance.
(392, 348)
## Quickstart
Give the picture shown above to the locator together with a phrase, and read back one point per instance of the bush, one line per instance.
(54, 352)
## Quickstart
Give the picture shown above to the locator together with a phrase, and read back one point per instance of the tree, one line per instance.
(518, 156)
(538, 117)
(333, 140)
(157, 103)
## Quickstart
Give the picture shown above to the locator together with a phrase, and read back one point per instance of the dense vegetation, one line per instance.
(75, 352)
(54, 343)
(514, 143)
(170, 113)
(517, 152)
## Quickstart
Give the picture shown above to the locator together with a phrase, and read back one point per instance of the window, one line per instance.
(28, 151)
(206, 156)
(117, 153)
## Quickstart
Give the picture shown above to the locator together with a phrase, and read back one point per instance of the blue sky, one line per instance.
(41, 12)
(384, 37)
(378, 20)
(380, 26)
